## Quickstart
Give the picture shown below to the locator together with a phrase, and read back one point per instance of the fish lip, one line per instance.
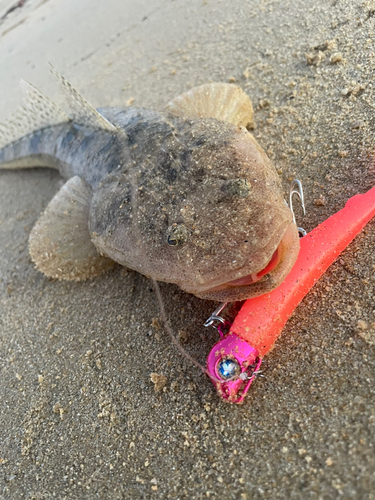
(205, 291)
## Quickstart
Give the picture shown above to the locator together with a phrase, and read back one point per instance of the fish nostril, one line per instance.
(239, 188)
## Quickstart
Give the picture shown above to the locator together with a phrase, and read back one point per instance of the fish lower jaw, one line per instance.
(249, 279)
(254, 277)
(263, 281)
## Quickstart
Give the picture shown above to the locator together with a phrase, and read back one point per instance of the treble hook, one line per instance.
(296, 188)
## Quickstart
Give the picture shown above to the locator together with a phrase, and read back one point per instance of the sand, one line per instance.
(79, 414)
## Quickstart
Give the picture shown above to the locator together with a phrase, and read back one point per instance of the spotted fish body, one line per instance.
(181, 196)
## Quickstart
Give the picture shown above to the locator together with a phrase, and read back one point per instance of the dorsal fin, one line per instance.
(223, 101)
(81, 111)
(38, 111)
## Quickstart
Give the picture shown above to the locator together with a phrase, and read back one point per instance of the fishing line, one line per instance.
(170, 332)
(134, 205)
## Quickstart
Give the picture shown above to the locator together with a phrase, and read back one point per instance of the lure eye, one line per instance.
(228, 368)
(177, 235)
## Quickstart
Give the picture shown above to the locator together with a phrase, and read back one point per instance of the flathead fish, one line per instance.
(185, 196)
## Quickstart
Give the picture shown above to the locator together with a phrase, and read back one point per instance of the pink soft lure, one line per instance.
(234, 361)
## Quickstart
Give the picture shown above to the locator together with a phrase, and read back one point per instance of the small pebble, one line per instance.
(159, 381)
(336, 58)
(320, 201)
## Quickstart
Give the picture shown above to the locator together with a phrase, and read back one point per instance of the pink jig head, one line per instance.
(232, 365)
(234, 361)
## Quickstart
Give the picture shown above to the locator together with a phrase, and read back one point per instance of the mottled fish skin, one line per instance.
(70, 148)
(190, 183)
(91, 154)
(175, 199)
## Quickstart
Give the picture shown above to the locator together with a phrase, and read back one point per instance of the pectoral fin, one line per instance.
(222, 101)
(60, 242)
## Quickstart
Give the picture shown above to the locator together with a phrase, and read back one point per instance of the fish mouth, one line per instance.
(264, 280)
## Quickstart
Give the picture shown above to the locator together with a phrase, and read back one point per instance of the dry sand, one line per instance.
(79, 416)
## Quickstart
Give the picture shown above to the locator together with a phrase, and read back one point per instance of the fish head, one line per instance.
(205, 212)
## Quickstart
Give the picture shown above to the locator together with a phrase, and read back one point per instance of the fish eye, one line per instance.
(177, 235)
(172, 242)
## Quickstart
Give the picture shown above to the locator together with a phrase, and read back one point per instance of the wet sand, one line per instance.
(79, 415)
